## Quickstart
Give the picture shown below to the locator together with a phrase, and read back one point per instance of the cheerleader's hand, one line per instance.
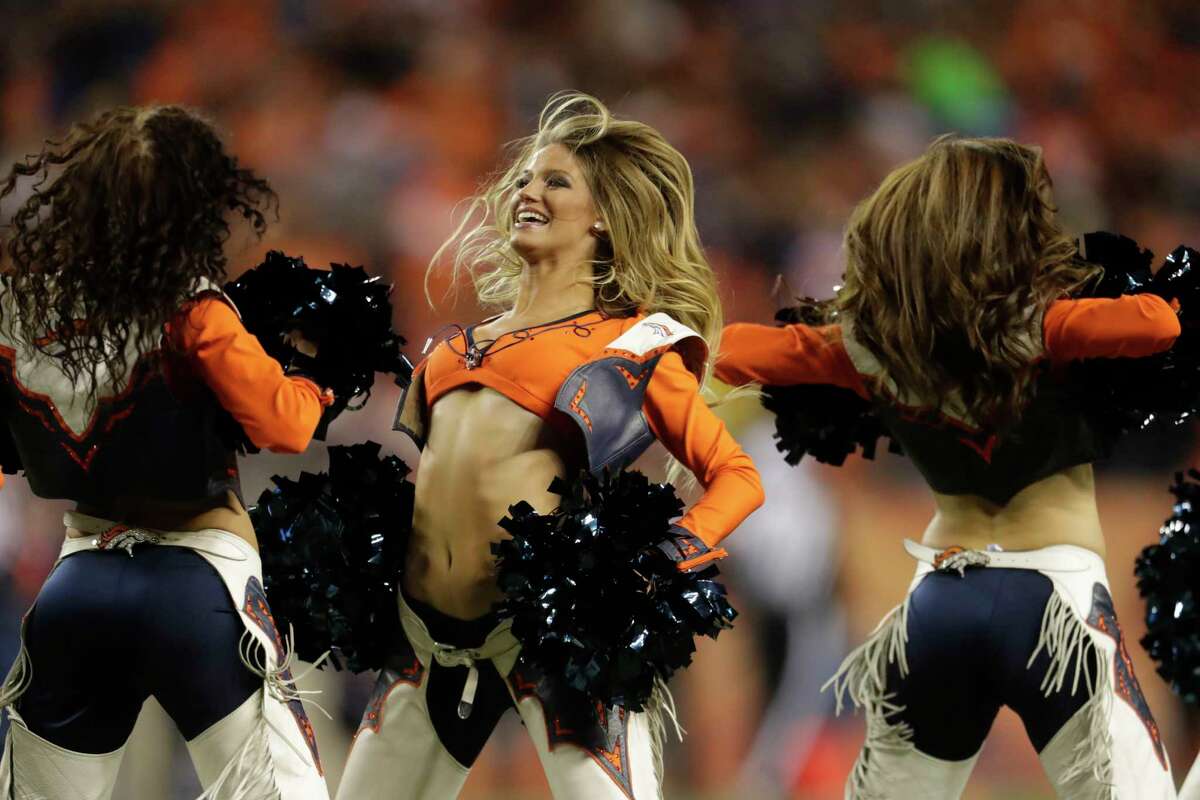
(300, 344)
(688, 551)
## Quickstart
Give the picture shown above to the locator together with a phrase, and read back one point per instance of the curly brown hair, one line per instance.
(950, 265)
(128, 212)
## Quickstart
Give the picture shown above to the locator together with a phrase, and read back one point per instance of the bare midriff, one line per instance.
(225, 514)
(483, 453)
(1060, 509)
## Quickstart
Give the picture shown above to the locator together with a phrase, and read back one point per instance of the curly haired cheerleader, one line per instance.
(588, 246)
(121, 364)
(954, 322)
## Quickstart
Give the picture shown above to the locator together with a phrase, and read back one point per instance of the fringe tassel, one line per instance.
(255, 658)
(863, 673)
(19, 677)
(881, 735)
(862, 677)
(15, 684)
(253, 769)
(659, 711)
(6, 762)
(1067, 642)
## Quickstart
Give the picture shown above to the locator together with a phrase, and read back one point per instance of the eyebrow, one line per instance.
(551, 171)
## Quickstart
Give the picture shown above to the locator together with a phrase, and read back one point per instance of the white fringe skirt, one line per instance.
(1110, 748)
(264, 750)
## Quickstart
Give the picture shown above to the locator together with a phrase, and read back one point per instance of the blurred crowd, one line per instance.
(373, 119)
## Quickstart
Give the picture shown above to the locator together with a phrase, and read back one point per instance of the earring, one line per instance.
(598, 226)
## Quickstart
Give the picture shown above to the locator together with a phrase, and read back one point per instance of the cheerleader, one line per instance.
(121, 367)
(954, 321)
(588, 247)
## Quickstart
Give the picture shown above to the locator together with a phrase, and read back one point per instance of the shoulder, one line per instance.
(205, 314)
(644, 337)
(206, 295)
(864, 360)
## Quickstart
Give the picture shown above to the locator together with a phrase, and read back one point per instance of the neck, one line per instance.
(551, 289)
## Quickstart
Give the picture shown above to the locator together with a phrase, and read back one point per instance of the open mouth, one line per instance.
(530, 219)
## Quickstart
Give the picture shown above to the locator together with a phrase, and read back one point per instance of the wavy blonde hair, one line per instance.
(950, 265)
(650, 260)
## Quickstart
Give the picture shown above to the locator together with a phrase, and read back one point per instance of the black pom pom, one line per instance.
(826, 422)
(343, 310)
(594, 602)
(1158, 391)
(332, 549)
(1168, 576)
(1179, 279)
(1126, 264)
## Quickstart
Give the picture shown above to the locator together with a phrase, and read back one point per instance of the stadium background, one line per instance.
(373, 119)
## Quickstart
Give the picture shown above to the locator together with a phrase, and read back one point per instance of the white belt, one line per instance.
(500, 645)
(110, 535)
(1057, 558)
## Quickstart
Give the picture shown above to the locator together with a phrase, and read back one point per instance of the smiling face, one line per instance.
(553, 213)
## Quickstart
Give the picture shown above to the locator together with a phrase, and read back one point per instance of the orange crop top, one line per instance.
(623, 381)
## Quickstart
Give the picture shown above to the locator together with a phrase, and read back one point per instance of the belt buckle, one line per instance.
(958, 559)
(124, 538)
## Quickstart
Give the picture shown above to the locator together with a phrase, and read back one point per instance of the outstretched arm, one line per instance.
(786, 356)
(1130, 326)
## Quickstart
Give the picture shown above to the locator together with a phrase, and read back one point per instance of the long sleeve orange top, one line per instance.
(691, 432)
(1128, 326)
(528, 367)
(278, 412)
(207, 341)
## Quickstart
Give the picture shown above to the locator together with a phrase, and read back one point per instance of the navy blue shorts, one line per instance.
(969, 642)
(108, 631)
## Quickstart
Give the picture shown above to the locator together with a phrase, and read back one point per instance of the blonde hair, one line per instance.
(950, 265)
(650, 260)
